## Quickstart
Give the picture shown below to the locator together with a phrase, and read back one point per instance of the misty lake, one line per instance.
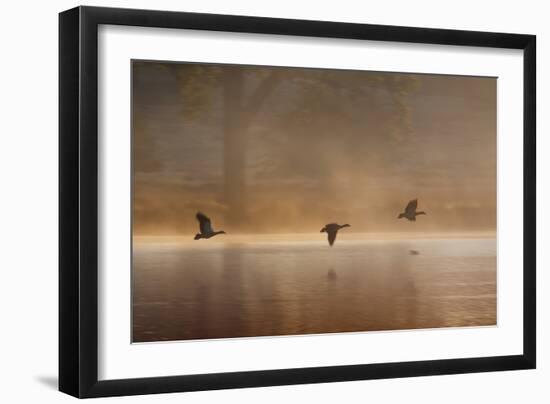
(219, 288)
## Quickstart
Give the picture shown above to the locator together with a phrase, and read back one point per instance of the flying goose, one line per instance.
(205, 226)
(410, 211)
(331, 229)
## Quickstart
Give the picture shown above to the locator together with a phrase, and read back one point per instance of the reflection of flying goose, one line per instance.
(205, 227)
(410, 211)
(331, 229)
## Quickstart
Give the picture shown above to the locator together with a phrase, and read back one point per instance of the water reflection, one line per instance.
(186, 291)
(331, 274)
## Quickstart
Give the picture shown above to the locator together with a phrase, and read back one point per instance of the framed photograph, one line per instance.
(251, 201)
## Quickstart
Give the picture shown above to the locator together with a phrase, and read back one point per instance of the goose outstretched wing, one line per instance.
(204, 223)
(331, 236)
(411, 206)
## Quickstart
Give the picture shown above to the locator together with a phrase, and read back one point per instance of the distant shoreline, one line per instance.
(305, 237)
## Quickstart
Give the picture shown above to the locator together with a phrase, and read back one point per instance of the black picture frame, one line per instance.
(78, 201)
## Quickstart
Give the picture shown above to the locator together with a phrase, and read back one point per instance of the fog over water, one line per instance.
(267, 150)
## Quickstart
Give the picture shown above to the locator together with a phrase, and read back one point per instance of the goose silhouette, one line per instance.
(410, 211)
(331, 229)
(205, 226)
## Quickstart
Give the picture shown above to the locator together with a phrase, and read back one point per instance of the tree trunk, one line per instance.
(234, 148)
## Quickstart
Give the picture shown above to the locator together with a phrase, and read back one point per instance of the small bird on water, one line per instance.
(331, 229)
(205, 226)
(410, 211)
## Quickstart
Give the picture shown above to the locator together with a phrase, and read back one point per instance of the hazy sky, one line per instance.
(262, 149)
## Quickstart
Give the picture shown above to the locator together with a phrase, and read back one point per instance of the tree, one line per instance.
(318, 103)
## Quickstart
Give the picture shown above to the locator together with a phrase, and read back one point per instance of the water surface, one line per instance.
(220, 289)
